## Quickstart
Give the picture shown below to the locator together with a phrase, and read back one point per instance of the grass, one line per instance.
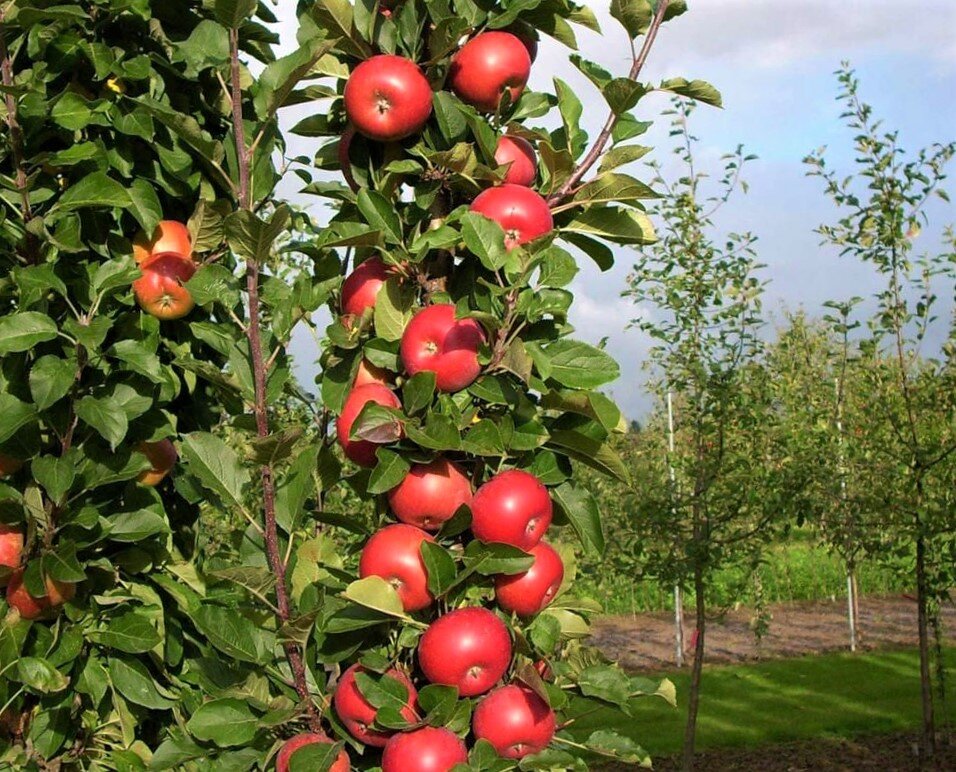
(800, 569)
(823, 696)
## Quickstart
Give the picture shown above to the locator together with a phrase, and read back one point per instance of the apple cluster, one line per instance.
(470, 648)
(166, 264)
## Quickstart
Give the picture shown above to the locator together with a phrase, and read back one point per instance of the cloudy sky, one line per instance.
(773, 61)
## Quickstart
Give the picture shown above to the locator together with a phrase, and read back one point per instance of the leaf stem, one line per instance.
(595, 153)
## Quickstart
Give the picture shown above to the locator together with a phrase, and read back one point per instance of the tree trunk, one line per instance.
(851, 605)
(693, 700)
(928, 745)
(678, 626)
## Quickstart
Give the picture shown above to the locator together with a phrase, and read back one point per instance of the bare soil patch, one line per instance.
(646, 642)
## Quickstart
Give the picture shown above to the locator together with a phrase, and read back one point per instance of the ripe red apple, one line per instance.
(162, 455)
(362, 452)
(388, 98)
(57, 593)
(515, 720)
(358, 714)
(436, 341)
(368, 373)
(429, 749)
(521, 212)
(362, 286)
(395, 554)
(11, 548)
(430, 494)
(469, 648)
(169, 238)
(9, 465)
(487, 66)
(528, 37)
(519, 153)
(526, 594)
(513, 508)
(284, 756)
(160, 291)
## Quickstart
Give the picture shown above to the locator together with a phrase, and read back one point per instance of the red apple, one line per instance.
(436, 341)
(284, 756)
(430, 494)
(515, 720)
(513, 508)
(388, 98)
(160, 291)
(11, 548)
(169, 238)
(518, 155)
(368, 373)
(526, 594)
(528, 37)
(362, 452)
(358, 714)
(430, 749)
(57, 593)
(487, 66)
(362, 286)
(521, 212)
(469, 648)
(162, 455)
(395, 554)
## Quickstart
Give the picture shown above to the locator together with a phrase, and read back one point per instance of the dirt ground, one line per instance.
(647, 642)
(886, 753)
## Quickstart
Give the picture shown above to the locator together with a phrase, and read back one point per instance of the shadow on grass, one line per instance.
(831, 695)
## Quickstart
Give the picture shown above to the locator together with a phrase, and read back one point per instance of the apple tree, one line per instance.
(454, 400)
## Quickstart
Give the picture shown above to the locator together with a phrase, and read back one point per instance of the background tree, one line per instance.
(704, 302)
(909, 437)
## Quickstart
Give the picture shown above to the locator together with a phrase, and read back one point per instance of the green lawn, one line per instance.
(833, 695)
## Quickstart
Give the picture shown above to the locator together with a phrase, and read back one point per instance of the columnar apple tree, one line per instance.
(454, 399)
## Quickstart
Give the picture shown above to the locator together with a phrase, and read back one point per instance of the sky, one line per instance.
(773, 61)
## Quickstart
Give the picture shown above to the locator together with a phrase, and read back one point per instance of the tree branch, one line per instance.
(595, 153)
(253, 333)
(16, 142)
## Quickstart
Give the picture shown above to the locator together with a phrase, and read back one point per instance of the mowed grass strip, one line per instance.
(829, 695)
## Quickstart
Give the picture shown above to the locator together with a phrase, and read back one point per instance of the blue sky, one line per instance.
(773, 61)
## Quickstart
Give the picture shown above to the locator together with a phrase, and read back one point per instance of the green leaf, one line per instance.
(495, 558)
(579, 365)
(145, 204)
(611, 743)
(393, 309)
(131, 678)
(23, 331)
(581, 510)
(380, 214)
(607, 683)
(50, 380)
(225, 722)
(281, 76)
(39, 675)
(133, 527)
(55, 474)
(315, 757)
(418, 391)
(485, 239)
(217, 466)
(234, 634)
(131, 632)
(232, 13)
(634, 15)
(596, 454)
(440, 566)
(71, 111)
(619, 156)
(388, 472)
(700, 90)
(375, 593)
(106, 415)
(138, 358)
(252, 238)
(95, 190)
(617, 224)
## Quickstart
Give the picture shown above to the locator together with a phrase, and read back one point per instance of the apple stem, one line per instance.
(253, 333)
(16, 142)
(595, 153)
